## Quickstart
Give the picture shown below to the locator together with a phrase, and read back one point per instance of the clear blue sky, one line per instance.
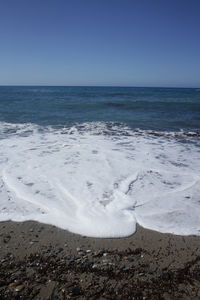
(100, 42)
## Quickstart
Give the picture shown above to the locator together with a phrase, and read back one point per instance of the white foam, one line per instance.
(99, 185)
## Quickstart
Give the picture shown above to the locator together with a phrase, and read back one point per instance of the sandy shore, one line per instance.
(40, 261)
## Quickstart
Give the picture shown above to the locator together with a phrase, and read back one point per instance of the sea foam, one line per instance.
(100, 180)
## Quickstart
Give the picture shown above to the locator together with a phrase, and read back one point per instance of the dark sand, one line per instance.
(40, 261)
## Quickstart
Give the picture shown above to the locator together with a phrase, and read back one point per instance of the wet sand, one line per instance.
(39, 261)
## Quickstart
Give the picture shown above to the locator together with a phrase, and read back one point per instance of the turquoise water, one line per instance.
(160, 109)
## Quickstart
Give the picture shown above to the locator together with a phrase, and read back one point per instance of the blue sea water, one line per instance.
(98, 160)
(160, 109)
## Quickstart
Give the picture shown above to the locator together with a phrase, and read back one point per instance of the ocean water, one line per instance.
(98, 160)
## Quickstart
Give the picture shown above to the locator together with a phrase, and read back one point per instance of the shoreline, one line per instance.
(41, 261)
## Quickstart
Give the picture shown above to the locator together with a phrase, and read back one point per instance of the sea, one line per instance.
(97, 161)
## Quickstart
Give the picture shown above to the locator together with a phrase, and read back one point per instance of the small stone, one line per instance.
(19, 288)
(78, 249)
(75, 291)
(71, 260)
(12, 284)
(6, 238)
(105, 261)
(130, 259)
(9, 254)
(159, 272)
(94, 266)
(88, 263)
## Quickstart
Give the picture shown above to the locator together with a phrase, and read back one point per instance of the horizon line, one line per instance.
(103, 86)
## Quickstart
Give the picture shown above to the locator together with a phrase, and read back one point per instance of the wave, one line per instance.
(93, 128)
(100, 179)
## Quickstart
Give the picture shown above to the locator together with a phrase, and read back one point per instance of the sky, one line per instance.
(100, 42)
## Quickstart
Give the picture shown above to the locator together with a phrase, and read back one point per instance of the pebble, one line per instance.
(74, 291)
(94, 266)
(71, 260)
(32, 242)
(122, 266)
(159, 272)
(6, 238)
(19, 288)
(32, 264)
(88, 263)
(130, 259)
(105, 261)
(12, 284)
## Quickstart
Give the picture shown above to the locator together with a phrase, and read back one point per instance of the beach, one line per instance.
(100, 150)
(39, 261)
(118, 170)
